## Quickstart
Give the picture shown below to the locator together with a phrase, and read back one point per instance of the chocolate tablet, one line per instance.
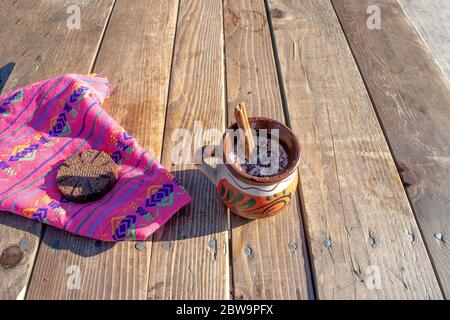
(87, 176)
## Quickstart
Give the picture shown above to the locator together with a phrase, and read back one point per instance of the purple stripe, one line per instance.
(54, 155)
(31, 194)
(86, 206)
(102, 134)
(54, 169)
(26, 107)
(112, 195)
(29, 118)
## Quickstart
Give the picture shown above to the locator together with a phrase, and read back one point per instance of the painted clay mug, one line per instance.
(249, 196)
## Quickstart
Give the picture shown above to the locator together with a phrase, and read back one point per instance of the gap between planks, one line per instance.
(388, 142)
(230, 289)
(284, 102)
(121, 271)
(264, 266)
(197, 62)
(420, 176)
(301, 21)
(102, 37)
(36, 63)
(91, 69)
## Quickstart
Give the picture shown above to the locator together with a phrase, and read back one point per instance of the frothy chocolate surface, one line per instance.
(269, 162)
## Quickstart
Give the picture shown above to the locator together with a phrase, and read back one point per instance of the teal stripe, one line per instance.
(29, 118)
(26, 107)
(229, 195)
(238, 199)
(112, 195)
(45, 115)
(54, 155)
(31, 194)
(81, 209)
(250, 203)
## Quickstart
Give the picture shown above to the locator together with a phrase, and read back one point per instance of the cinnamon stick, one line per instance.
(242, 121)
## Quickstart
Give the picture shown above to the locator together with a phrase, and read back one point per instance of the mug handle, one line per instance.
(209, 171)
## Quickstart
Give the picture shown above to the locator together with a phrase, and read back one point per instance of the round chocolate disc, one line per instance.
(87, 176)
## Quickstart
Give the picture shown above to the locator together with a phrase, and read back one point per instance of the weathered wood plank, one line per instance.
(277, 267)
(190, 253)
(136, 56)
(19, 239)
(432, 20)
(412, 98)
(359, 222)
(37, 42)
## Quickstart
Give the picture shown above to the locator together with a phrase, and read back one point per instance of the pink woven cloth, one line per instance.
(46, 122)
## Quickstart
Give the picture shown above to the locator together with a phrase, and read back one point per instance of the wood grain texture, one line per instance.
(15, 270)
(136, 57)
(190, 253)
(412, 99)
(36, 38)
(269, 255)
(432, 20)
(38, 45)
(358, 219)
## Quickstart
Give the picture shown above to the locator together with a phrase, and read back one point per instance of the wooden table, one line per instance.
(369, 106)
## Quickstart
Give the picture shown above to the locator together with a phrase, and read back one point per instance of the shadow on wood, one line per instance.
(5, 72)
(196, 216)
(191, 216)
(67, 241)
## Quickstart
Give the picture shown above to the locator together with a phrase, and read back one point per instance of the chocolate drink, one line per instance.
(268, 162)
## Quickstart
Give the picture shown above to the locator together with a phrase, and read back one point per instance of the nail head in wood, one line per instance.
(248, 251)
(292, 246)
(371, 240)
(438, 236)
(166, 245)
(140, 246)
(24, 243)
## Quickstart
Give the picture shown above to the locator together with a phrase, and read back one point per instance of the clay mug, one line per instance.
(246, 195)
